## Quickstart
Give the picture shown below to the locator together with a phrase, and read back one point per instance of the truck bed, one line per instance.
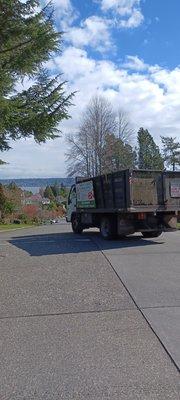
(130, 191)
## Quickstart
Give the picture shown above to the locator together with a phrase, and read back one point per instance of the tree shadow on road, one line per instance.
(68, 243)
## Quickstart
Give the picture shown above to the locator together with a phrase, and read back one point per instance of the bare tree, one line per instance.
(125, 131)
(102, 143)
(86, 147)
(79, 154)
(123, 152)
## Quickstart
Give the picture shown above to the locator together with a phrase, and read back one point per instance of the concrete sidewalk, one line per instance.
(69, 328)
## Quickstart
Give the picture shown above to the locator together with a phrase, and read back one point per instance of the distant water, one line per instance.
(34, 184)
(33, 189)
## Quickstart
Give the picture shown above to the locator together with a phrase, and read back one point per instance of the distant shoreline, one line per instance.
(38, 182)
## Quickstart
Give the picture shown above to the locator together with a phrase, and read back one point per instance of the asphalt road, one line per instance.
(81, 318)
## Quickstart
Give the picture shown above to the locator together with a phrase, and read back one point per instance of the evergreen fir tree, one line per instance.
(48, 193)
(149, 156)
(28, 40)
(117, 155)
(171, 151)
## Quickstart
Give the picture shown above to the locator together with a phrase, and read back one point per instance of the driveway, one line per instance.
(81, 318)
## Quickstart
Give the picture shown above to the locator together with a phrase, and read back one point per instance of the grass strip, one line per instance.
(4, 227)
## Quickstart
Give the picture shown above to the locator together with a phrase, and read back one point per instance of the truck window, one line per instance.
(72, 194)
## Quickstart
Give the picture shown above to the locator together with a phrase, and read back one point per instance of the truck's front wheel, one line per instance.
(108, 228)
(76, 225)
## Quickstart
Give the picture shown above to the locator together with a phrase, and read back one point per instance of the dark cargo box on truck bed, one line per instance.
(135, 190)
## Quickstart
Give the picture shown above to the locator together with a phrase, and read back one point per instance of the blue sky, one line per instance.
(125, 50)
(156, 39)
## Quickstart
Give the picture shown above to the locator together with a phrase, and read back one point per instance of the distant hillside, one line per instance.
(39, 182)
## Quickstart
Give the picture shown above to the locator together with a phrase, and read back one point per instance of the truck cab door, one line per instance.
(71, 206)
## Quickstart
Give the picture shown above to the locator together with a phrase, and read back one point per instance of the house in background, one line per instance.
(45, 201)
(36, 199)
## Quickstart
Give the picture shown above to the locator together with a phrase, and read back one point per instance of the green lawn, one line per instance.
(178, 225)
(4, 227)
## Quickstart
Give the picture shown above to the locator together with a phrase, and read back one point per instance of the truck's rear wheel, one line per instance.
(76, 225)
(108, 228)
(151, 234)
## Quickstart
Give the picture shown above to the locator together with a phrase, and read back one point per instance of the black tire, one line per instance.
(76, 225)
(108, 228)
(151, 234)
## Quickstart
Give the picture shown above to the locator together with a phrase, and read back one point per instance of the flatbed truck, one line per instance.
(124, 202)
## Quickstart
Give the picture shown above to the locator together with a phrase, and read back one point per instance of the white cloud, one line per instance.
(135, 63)
(63, 6)
(149, 94)
(65, 13)
(94, 31)
(133, 21)
(74, 63)
(123, 7)
(127, 12)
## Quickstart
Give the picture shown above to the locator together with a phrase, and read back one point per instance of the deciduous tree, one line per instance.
(87, 146)
(125, 131)
(102, 141)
